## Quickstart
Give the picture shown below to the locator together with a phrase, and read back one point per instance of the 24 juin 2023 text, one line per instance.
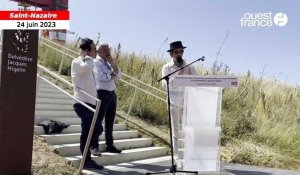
(29, 25)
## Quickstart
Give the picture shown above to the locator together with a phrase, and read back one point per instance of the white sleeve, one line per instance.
(164, 72)
(80, 66)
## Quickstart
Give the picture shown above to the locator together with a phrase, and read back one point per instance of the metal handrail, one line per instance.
(57, 49)
(145, 83)
(59, 45)
(96, 111)
(124, 81)
(78, 54)
(68, 94)
(143, 90)
(65, 81)
(122, 73)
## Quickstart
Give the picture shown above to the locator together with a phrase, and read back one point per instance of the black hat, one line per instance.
(175, 45)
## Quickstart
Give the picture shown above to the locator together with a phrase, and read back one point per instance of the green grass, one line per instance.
(260, 118)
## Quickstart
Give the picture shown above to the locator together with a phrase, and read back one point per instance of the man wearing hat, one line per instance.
(176, 52)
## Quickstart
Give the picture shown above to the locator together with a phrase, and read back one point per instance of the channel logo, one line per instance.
(263, 19)
(280, 19)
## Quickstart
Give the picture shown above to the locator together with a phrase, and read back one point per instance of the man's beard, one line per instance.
(179, 60)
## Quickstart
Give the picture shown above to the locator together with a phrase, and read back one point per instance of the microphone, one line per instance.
(166, 77)
(201, 59)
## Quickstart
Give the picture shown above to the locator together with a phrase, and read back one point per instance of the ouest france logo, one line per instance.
(265, 19)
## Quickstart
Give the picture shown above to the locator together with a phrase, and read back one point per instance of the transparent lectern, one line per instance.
(199, 106)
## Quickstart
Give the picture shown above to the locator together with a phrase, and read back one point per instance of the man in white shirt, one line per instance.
(106, 72)
(176, 52)
(82, 78)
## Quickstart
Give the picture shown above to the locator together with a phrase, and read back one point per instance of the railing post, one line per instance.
(87, 144)
(40, 73)
(131, 104)
(62, 62)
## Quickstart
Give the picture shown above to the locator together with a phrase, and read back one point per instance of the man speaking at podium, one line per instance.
(176, 52)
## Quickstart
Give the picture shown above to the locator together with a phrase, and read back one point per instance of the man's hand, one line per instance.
(113, 76)
(181, 72)
(110, 60)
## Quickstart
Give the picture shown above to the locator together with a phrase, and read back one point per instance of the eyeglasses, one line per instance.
(177, 52)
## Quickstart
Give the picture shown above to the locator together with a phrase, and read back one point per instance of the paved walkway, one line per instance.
(162, 164)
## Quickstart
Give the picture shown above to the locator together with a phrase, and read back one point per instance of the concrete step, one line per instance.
(74, 149)
(49, 90)
(138, 166)
(52, 104)
(40, 100)
(39, 130)
(52, 95)
(58, 139)
(125, 156)
(66, 120)
(57, 114)
(55, 107)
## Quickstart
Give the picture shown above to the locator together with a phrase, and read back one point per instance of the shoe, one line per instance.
(90, 164)
(95, 152)
(112, 149)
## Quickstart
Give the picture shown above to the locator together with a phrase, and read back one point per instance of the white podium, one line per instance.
(199, 124)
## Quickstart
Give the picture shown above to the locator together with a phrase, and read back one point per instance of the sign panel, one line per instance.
(30, 20)
(206, 81)
(17, 100)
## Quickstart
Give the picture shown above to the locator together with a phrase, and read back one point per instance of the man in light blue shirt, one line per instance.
(106, 72)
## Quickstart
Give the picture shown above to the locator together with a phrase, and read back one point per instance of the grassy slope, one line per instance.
(45, 161)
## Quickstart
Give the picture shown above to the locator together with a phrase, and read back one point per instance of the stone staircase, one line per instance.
(52, 104)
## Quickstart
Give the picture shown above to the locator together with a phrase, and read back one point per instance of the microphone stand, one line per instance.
(173, 168)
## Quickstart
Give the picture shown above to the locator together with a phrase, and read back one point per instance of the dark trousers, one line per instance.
(86, 117)
(108, 111)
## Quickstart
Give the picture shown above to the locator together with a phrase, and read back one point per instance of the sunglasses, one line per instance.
(177, 52)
